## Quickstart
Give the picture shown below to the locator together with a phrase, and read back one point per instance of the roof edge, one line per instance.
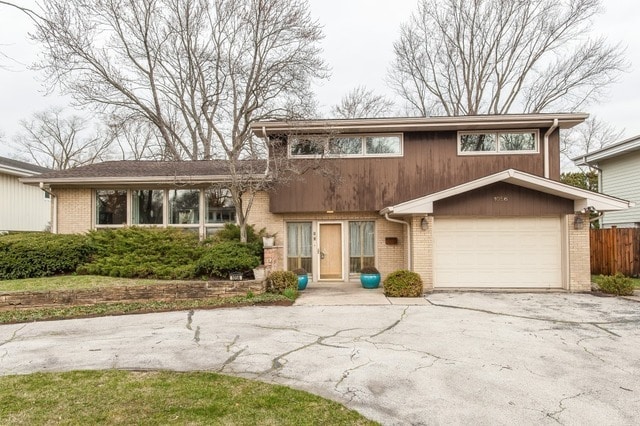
(582, 198)
(566, 120)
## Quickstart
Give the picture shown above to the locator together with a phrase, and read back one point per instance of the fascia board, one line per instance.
(161, 180)
(581, 197)
(615, 150)
(417, 124)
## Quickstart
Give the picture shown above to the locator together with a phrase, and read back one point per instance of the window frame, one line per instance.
(326, 140)
(496, 134)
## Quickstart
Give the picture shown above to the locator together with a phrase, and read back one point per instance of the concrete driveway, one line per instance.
(477, 358)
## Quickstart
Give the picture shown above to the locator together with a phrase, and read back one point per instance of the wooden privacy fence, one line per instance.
(615, 250)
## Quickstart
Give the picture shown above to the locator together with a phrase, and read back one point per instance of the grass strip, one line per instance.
(122, 308)
(117, 397)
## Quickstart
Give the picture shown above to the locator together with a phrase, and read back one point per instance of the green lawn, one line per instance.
(152, 398)
(70, 282)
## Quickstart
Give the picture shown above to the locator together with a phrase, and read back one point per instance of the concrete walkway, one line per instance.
(350, 294)
(463, 358)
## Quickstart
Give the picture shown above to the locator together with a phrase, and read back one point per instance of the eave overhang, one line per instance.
(388, 125)
(620, 148)
(16, 171)
(582, 198)
(134, 181)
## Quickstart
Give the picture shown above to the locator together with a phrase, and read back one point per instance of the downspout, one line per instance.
(386, 216)
(54, 213)
(553, 127)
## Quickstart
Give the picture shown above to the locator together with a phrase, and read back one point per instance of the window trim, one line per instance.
(497, 133)
(363, 138)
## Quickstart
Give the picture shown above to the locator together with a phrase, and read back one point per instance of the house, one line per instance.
(466, 202)
(618, 168)
(22, 207)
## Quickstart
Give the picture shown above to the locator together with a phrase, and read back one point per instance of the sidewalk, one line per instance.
(350, 294)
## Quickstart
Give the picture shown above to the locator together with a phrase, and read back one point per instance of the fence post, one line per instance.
(614, 250)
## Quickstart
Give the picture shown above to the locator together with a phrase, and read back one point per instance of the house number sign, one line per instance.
(500, 199)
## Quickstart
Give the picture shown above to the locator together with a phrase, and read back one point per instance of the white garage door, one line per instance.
(498, 252)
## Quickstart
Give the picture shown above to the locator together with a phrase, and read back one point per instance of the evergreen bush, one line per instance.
(137, 252)
(226, 257)
(30, 255)
(403, 283)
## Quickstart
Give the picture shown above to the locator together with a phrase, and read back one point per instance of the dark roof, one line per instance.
(146, 171)
(15, 164)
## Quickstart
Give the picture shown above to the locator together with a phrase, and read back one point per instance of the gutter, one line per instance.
(386, 212)
(54, 213)
(553, 127)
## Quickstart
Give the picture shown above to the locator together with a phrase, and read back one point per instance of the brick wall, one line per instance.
(164, 292)
(74, 210)
(422, 250)
(578, 255)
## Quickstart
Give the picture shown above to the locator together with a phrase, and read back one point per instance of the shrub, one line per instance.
(282, 281)
(28, 255)
(136, 252)
(226, 257)
(231, 232)
(369, 270)
(403, 284)
(616, 284)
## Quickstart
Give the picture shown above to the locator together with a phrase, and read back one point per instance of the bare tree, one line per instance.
(589, 136)
(136, 139)
(201, 71)
(59, 142)
(459, 57)
(362, 103)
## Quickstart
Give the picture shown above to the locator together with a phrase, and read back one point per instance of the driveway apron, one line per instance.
(458, 358)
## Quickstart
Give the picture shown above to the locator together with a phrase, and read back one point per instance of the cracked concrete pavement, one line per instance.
(486, 358)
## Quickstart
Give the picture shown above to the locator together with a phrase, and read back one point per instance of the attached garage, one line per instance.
(497, 252)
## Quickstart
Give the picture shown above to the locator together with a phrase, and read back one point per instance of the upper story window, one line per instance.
(347, 146)
(498, 142)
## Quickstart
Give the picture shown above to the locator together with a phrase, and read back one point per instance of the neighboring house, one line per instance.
(22, 207)
(469, 201)
(618, 168)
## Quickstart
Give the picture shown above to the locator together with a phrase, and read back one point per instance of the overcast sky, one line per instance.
(358, 47)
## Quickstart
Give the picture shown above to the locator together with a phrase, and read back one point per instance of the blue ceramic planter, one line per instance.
(302, 281)
(370, 280)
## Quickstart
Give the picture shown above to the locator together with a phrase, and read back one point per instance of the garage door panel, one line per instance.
(498, 252)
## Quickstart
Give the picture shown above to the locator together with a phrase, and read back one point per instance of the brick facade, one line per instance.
(579, 273)
(74, 207)
(422, 250)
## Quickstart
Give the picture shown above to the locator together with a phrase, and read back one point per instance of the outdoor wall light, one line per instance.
(578, 222)
(424, 224)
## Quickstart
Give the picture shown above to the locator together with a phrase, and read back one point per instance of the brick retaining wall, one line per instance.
(164, 292)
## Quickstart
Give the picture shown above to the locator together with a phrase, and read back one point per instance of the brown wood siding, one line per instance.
(503, 199)
(430, 164)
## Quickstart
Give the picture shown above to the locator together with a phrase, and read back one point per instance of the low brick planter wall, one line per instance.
(164, 292)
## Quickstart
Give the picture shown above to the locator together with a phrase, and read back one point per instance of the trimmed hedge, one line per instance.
(403, 283)
(30, 255)
(136, 252)
(227, 257)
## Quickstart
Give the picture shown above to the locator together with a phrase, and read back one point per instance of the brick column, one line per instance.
(579, 254)
(273, 259)
(422, 250)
